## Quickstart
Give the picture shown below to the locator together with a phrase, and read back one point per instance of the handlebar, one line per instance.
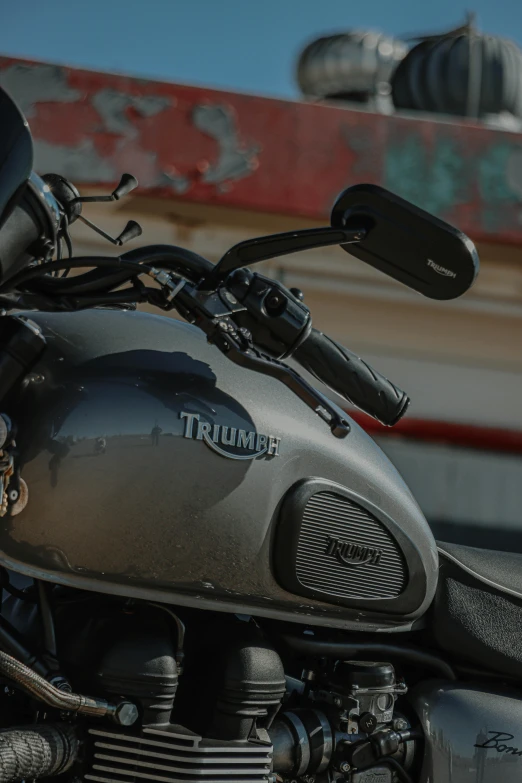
(332, 364)
(256, 313)
(348, 375)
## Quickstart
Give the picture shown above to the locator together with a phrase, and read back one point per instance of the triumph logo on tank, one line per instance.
(352, 554)
(221, 439)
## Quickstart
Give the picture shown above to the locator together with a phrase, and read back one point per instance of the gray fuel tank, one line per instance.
(158, 469)
(473, 735)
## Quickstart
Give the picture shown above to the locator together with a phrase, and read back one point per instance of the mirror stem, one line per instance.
(262, 248)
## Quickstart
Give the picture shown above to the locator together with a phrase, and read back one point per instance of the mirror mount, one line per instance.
(252, 251)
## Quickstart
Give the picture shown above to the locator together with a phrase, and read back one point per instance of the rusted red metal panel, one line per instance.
(261, 154)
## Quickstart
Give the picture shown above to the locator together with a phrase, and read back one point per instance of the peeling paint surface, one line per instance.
(234, 161)
(34, 84)
(112, 106)
(80, 163)
(266, 155)
(434, 179)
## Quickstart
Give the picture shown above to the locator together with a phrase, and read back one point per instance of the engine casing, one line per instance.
(156, 468)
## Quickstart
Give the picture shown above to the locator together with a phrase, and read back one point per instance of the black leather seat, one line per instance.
(477, 612)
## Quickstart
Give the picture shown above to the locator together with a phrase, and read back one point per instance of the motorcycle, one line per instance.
(261, 598)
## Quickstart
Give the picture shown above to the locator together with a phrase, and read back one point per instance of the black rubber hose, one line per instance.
(126, 296)
(11, 641)
(350, 651)
(175, 259)
(35, 272)
(399, 770)
(38, 751)
(88, 282)
(11, 589)
(46, 615)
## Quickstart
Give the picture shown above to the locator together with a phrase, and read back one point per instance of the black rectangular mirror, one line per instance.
(407, 243)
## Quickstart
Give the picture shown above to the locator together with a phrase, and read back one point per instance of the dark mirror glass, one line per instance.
(407, 243)
(16, 153)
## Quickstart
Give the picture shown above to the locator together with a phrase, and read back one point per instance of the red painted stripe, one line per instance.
(466, 435)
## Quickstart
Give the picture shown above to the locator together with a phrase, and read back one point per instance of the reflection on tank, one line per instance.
(132, 400)
(59, 448)
(155, 433)
(480, 756)
(100, 446)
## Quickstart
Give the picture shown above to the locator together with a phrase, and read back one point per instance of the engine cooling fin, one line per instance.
(157, 756)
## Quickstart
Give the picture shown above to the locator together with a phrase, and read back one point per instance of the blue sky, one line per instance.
(244, 45)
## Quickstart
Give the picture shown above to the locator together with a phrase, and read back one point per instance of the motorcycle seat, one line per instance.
(477, 611)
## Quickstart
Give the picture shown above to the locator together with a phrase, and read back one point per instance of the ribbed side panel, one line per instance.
(165, 757)
(331, 522)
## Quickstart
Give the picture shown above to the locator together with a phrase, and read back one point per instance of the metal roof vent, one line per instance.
(353, 66)
(462, 72)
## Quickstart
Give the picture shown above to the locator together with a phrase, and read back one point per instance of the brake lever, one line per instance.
(236, 344)
(212, 314)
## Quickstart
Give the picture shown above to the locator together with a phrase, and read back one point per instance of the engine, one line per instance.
(215, 701)
(343, 721)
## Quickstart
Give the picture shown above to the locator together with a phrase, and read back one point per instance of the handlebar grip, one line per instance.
(348, 375)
